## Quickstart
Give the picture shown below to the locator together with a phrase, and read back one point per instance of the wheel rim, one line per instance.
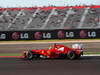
(71, 55)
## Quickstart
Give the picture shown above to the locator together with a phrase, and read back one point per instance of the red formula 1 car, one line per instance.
(55, 51)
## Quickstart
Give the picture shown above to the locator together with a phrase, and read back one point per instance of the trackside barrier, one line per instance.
(50, 34)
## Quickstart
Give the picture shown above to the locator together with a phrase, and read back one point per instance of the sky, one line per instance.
(30, 3)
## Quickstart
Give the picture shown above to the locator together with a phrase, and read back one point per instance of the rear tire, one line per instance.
(71, 55)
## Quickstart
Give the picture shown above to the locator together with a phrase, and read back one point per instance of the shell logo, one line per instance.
(48, 52)
(42, 52)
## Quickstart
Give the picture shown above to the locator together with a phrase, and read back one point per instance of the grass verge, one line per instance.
(10, 54)
(88, 53)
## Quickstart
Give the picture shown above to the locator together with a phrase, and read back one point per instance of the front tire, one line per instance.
(29, 55)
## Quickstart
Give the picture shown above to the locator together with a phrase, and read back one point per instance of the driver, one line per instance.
(54, 46)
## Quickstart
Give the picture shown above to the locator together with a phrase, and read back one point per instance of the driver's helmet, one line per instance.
(50, 47)
(53, 46)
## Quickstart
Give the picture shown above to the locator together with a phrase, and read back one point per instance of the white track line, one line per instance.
(92, 55)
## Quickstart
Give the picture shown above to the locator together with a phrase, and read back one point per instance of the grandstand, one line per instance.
(69, 17)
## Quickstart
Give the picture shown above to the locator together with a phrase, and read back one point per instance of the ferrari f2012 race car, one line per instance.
(55, 51)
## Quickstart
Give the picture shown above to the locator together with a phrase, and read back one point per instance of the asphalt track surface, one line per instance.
(18, 48)
(87, 65)
(18, 66)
